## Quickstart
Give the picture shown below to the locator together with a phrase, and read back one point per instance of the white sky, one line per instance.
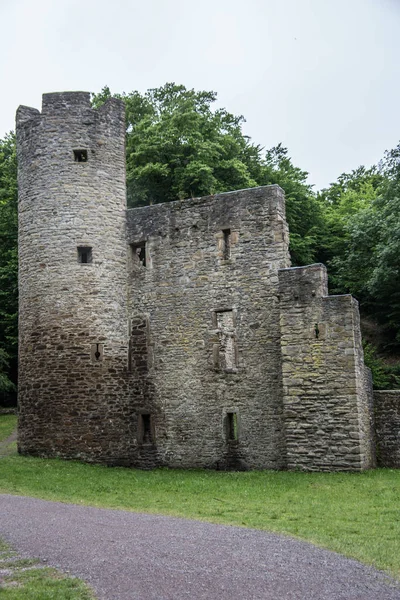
(320, 76)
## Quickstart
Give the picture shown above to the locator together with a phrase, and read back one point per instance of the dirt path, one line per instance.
(130, 556)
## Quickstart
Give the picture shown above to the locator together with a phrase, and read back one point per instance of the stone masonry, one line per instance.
(175, 334)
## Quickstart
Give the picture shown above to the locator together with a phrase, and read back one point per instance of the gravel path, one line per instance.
(130, 556)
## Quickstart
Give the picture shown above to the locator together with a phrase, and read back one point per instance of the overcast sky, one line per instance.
(320, 76)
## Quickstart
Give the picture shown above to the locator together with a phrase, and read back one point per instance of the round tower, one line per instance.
(73, 321)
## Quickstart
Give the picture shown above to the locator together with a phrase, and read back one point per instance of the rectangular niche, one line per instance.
(97, 353)
(231, 427)
(84, 255)
(139, 254)
(80, 155)
(145, 431)
(225, 352)
(226, 244)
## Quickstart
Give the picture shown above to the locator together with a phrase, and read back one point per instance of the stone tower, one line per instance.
(73, 323)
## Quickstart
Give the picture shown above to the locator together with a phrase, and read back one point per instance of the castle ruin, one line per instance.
(175, 334)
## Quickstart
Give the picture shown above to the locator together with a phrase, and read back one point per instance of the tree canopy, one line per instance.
(178, 147)
(8, 264)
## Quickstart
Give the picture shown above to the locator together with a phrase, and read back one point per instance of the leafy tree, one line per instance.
(303, 210)
(179, 147)
(352, 193)
(370, 266)
(384, 377)
(6, 385)
(8, 263)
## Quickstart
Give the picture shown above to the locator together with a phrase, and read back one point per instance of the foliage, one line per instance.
(303, 210)
(354, 514)
(384, 377)
(179, 147)
(341, 202)
(369, 265)
(6, 384)
(8, 263)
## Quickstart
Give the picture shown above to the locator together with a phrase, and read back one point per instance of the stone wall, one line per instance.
(387, 421)
(204, 272)
(326, 401)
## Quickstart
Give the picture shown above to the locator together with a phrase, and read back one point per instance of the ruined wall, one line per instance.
(73, 328)
(326, 395)
(387, 420)
(172, 334)
(204, 273)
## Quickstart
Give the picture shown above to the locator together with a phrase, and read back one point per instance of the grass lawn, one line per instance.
(7, 426)
(355, 514)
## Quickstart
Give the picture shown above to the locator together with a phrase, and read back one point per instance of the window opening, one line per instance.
(227, 342)
(316, 329)
(232, 427)
(84, 254)
(80, 155)
(139, 252)
(227, 244)
(145, 429)
(97, 353)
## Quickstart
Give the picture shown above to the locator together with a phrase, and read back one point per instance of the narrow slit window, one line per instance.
(145, 429)
(97, 353)
(232, 427)
(139, 253)
(227, 349)
(84, 255)
(80, 155)
(226, 244)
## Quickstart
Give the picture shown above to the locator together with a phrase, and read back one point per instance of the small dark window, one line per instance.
(145, 429)
(84, 255)
(227, 243)
(80, 155)
(232, 427)
(96, 353)
(139, 253)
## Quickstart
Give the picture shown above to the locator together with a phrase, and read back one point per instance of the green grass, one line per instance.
(26, 580)
(7, 425)
(46, 584)
(357, 515)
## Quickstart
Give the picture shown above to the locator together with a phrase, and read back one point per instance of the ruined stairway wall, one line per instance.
(326, 388)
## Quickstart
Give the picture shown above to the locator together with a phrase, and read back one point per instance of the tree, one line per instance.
(8, 263)
(370, 266)
(179, 147)
(303, 210)
(341, 202)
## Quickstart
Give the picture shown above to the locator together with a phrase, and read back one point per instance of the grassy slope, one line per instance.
(355, 514)
(7, 426)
